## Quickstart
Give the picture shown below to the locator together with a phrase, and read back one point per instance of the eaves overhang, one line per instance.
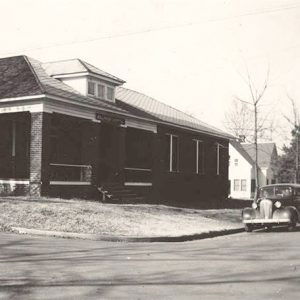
(94, 108)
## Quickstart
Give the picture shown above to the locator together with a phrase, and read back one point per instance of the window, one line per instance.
(101, 89)
(91, 88)
(243, 185)
(222, 157)
(172, 153)
(199, 165)
(109, 93)
(236, 162)
(236, 185)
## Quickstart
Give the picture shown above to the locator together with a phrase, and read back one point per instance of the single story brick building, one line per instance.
(69, 129)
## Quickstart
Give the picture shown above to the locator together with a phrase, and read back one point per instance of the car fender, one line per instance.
(288, 212)
(249, 213)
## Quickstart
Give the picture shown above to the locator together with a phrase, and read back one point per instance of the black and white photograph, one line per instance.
(150, 149)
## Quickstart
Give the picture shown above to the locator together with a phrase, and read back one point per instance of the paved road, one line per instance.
(260, 265)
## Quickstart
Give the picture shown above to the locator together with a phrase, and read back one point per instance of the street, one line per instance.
(258, 265)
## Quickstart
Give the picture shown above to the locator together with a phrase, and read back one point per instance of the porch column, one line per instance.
(39, 153)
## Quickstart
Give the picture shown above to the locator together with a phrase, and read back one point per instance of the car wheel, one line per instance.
(292, 226)
(248, 227)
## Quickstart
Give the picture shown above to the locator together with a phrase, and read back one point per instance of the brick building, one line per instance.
(70, 129)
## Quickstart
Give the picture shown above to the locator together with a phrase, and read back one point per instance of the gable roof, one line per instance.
(242, 151)
(22, 76)
(265, 153)
(163, 112)
(73, 66)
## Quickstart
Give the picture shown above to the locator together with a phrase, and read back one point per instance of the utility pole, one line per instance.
(256, 148)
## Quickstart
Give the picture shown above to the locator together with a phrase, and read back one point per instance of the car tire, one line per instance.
(248, 227)
(292, 226)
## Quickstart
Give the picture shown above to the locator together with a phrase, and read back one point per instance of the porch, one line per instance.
(59, 155)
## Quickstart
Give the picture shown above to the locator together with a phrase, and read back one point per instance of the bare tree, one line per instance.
(244, 116)
(238, 120)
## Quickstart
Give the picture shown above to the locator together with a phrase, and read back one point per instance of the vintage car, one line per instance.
(276, 205)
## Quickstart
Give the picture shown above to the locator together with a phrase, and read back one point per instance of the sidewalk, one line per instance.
(97, 237)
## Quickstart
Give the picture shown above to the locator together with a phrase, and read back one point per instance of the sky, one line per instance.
(190, 54)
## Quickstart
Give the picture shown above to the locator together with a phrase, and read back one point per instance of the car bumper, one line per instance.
(267, 221)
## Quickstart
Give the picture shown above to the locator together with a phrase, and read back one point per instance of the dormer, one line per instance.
(85, 78)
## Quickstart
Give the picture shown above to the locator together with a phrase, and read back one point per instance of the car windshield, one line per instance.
(275, 192)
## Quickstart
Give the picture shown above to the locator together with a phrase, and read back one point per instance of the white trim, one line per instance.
(14, 181)
(218, 159)
(94, 107)
(22, 98)
(138, 169)
(39, 107)
(171, 152)
(69, 183)
(138, 183)
(13, 146)
(142, 125)
(69, 165)
(72, 110)
(79, 74)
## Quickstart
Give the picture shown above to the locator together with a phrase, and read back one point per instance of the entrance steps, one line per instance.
(118, 193)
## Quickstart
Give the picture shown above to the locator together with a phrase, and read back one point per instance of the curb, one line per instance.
(107, 238)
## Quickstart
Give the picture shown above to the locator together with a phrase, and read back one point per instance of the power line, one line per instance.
(120, 35)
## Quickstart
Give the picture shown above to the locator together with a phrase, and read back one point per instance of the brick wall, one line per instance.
(39, 156)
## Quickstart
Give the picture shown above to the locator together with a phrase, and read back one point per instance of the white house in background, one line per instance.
(242, 167)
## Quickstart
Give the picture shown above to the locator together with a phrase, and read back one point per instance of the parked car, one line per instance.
(276, 205)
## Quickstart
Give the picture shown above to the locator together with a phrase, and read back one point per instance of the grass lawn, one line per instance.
(84, 216)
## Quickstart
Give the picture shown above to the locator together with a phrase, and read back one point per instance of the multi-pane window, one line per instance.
(172, 153)
(101, 91)
(199, 158)
(236, 185)
(109, 93)
(91, 88)
(243, 185)
(236, 162)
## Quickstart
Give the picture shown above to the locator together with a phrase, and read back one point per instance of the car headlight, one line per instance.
(254, 205)
(277, 204)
